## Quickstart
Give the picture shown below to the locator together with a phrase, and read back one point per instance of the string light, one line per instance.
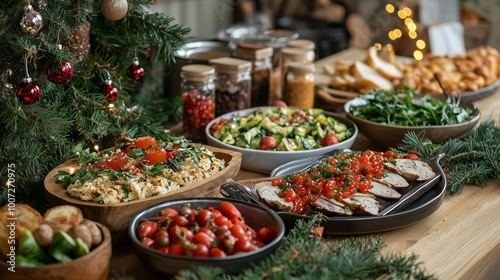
(96, 148)
(420, 44)
(405, 14)
(389, 8)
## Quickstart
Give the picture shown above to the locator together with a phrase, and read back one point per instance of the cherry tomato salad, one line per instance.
(337, 176)
(281, 129)
(203, 232)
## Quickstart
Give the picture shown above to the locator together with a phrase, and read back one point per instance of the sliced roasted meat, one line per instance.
(269, 194)
(331, 206)
(411, 169)
(393, 180)
(383, 191)
(362, 204)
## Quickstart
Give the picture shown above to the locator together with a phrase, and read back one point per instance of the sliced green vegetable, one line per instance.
(62, 246)
(30, 249)
(81, 249)
(25, 261)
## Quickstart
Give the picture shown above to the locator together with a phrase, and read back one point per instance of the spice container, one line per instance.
(304, 44)
(300, 85)
(197, 87)
(232, 84)
(260, 58)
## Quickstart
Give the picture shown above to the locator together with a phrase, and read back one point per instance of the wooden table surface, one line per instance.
(461, 240)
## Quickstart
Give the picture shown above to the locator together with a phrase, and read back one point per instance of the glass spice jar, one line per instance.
(304, 44)
(260, 58)
(290, 55)
(233, 84)
(197, 87)
(300, 85)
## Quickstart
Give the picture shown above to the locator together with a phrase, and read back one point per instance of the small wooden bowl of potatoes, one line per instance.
(60, 244)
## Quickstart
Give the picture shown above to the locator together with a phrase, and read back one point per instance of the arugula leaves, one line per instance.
(389, 107)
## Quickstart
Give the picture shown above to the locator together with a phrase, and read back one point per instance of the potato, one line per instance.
(63, 217)
(43, 235)
(81, 231)
(95, 232)
(26, 218)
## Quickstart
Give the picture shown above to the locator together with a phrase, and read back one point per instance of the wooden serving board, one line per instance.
(116, 216)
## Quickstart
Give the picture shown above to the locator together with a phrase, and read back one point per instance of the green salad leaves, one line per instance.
(404, 109)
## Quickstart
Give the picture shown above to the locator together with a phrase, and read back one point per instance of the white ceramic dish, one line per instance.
(265, 161)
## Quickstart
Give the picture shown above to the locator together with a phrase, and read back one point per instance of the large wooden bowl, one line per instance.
(116, 216)
(94, 265)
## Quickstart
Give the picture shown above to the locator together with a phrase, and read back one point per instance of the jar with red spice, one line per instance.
(233, 84)
(198, 90)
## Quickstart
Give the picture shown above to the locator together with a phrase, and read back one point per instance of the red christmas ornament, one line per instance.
(135, 71)
(110, 91)
(62, 74)
(28, 92)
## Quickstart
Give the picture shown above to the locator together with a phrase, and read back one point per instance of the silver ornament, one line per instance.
(31, 21)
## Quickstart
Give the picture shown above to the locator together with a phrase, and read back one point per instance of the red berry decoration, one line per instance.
(62, 74)
(110, 91)
(28, 92)
(135, 71)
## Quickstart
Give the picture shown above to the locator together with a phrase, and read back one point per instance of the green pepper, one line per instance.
(30, 249)
(25, 261)
(81, 248)
(62, 245)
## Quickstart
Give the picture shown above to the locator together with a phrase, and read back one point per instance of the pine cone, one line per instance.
(81, 41)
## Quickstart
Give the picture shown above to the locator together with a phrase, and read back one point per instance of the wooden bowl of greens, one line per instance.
(386, 116)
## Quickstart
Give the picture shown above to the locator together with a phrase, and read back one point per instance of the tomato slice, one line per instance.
(145, 142)
(115, 162)
(155, 154)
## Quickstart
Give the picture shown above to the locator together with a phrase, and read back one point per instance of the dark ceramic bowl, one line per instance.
(391, 136)
(169, 265)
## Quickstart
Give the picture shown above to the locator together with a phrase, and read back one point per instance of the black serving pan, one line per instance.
(419, 200)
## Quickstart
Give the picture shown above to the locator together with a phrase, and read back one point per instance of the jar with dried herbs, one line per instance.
(300, 85)
(233, 84)
(197, 87)
(260, 57)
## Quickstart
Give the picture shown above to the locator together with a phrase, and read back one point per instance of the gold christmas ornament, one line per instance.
(114, 9)
(31, 21)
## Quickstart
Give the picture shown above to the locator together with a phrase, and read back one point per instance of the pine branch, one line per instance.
(305, 256)
(473, 159)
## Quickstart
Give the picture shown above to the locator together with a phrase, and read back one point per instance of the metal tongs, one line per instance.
(231, 189)
(452, 99)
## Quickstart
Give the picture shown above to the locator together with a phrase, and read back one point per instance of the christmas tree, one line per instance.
(75, 72)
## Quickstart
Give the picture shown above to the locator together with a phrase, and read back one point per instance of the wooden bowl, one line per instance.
(94, 265)
(116, 216)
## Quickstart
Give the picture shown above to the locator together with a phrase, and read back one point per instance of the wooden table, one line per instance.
(461, 240)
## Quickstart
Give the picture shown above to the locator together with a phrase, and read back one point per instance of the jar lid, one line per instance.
(295, 54)
(229, 64)
(302, 44)
(301, 67)
(252, 51)
(197, 72)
